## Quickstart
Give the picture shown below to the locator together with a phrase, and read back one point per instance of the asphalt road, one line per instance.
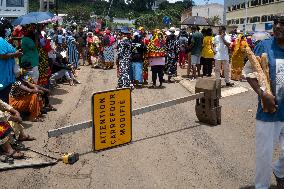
(170, 148)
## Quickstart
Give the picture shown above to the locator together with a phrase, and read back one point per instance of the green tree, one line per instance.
(80, 16)
(215, 20)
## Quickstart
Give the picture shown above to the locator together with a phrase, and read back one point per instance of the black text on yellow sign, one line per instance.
(112, 120)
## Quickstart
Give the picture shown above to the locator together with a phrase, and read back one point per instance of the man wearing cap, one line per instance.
(270, 125)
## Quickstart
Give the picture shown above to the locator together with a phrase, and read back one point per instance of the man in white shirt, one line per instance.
(222, 44)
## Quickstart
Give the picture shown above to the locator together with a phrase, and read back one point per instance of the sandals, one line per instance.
(27, 138)
(38, 119)
(16, 155)
(279, 181)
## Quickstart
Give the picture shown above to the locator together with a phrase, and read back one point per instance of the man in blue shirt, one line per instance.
(270, 126)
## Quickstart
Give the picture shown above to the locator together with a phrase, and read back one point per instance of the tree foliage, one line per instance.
(215, 20)
(141, 10)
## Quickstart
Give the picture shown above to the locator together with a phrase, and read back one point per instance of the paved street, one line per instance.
(170, 148)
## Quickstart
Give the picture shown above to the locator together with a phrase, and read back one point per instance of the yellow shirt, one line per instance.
(207, 51)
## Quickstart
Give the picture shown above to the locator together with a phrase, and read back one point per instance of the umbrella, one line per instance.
(54, 19)
(33, 18)
(196, 20)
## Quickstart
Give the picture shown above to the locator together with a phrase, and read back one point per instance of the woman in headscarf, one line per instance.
(238, 57)
(138, 49)
(108, 51)
(24, 95)
(172, 46)
(7, 60)
(124, 56)
(30, 52)
(72, 50)
(43, 67)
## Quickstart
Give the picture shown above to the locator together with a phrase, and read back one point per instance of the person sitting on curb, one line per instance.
(10, 128)
(24, 96)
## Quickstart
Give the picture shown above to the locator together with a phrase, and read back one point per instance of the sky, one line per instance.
(201, 2)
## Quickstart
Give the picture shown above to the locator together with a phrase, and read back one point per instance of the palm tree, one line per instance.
(215, 20)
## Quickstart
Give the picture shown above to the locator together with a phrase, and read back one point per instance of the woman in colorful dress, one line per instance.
(72, 50)
(24, 96)
(124, 55)
(43, 67)
(172, 46)
(156, 50)
(10, 129)
(238, 57)
(138, 50)
(108, 51)
(90, 47)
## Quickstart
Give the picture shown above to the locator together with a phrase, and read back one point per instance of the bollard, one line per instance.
(207, 108)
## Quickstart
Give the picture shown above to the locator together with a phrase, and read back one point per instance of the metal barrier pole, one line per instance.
(146, 109)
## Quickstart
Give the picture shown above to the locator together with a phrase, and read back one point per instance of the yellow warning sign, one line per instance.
(112, 120)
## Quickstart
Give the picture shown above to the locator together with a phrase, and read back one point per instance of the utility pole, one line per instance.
(56, 7)
(47, 6)
(41, 5)
(246, 16)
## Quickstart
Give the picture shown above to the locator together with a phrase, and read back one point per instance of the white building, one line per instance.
(252, 15)
(209, 11)
(13, 8)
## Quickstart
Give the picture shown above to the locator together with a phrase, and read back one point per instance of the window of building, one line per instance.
(242, 21)
(264, 18)
(237, 21)
(238, 6)
(229, 9)
(243, 5)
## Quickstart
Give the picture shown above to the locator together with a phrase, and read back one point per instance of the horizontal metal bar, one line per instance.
(166, 104)
(146, 109)
(69, 129)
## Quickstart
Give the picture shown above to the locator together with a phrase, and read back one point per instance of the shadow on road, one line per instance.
(54, 101)
(146, 138)
(253, 187)
(167, 133)
(58, 91)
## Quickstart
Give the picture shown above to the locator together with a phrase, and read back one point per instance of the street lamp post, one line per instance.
(246, 15)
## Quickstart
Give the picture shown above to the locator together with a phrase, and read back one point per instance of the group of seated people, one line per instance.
(25, 87)
(30, 101)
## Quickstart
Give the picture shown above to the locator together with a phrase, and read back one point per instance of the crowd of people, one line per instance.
(34, 59)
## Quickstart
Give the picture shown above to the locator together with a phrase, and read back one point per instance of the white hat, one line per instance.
(172, 29)
(42, 33)
(64, 54)
(177, 33)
